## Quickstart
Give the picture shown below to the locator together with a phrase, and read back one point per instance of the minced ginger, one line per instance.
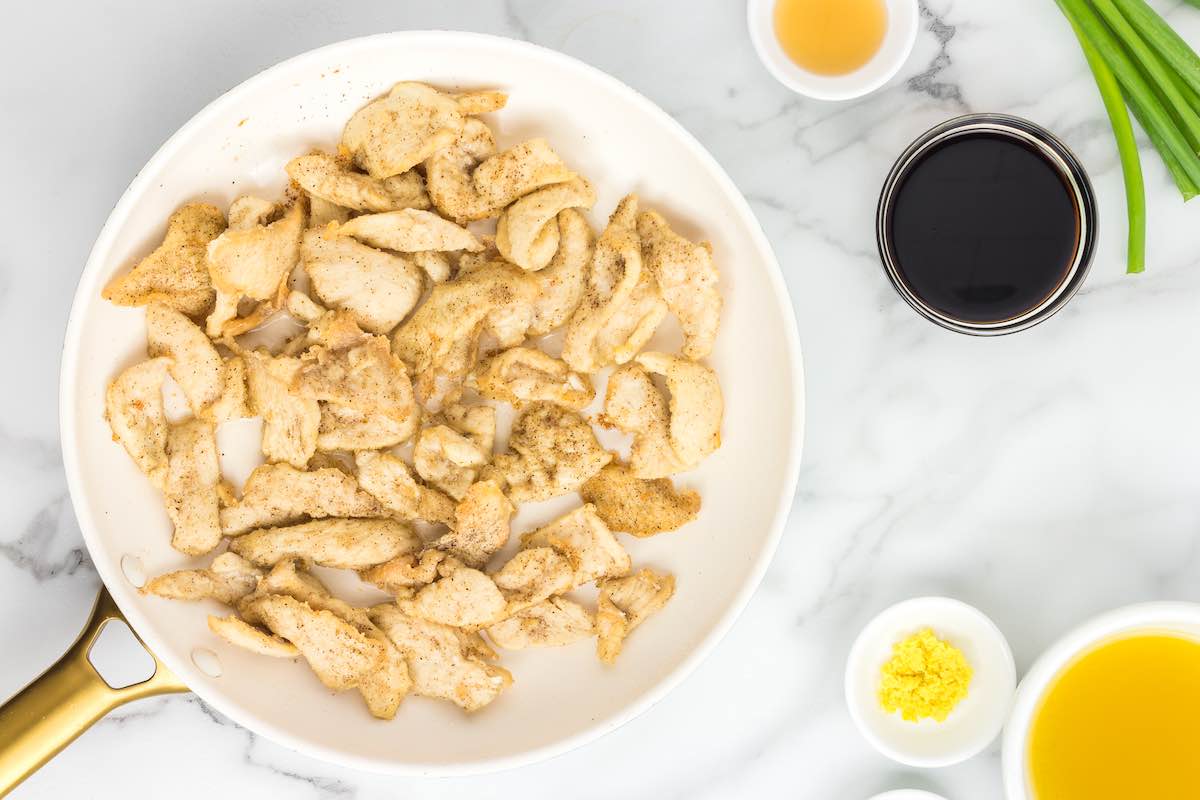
(926, 677)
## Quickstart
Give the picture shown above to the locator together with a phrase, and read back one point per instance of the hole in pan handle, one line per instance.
(64, 701)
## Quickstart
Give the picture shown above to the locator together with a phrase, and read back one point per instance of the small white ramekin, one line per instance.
(1167, 617)
(973, 724)
(903, 19)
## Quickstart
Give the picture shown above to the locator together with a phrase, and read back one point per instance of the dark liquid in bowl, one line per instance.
(983, 227)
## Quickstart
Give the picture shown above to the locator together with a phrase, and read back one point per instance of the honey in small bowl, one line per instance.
(1121, 722)
(830, 37)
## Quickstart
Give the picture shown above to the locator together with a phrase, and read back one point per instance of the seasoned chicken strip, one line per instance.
(238, 632)
(441, 665)
(134, 409)
(551, 623)
(553, 451)
(467, 598)
(687, 278)
(625, 603)
(190, 487)
(533, 575)
(586, 542)
(325, 176)
(405, 573)
(227, 580)
(523, 375)
(341, 543)
(561, 285)
(621, 307)
(195, 364)
(291, 421)
(234, 401)
(341, 655)
(641, 507)
(527, 233)
(481, 525)
(275, 494)
(379, 289)
(409, 231)
(176, 273)
(448, 460)
(389, 480)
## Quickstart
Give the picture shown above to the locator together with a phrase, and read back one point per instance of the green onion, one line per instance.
(1152, 69)
(1131, 162)
(1155, 117)
(1169, 44)
(1187, 188)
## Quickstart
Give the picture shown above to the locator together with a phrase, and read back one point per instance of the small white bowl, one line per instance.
(902, 24)
(1179, 618)
(908, 794)
(973, 723)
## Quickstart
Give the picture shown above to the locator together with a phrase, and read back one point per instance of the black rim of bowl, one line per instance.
(1058, 154)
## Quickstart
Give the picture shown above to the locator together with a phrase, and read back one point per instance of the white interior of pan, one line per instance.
(623, 143)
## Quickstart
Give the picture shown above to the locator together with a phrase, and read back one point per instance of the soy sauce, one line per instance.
(983, 227)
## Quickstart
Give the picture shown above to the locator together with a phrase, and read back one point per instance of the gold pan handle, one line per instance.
(64, 701)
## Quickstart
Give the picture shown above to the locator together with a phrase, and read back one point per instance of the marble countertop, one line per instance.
(1043, 477)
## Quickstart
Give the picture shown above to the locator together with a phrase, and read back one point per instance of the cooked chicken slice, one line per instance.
(176, 273)
(481, 525)
(339, 543)
(339, 653)
(248, 212)
(477, 423)
(388, 478)
(275, 494)
(227, 580)
(289, 577)
(533, 575)
(442, 665)
(365, 378)
(379, 289)
(523, 375)
(325, 176)
(641, 507)
(195, 364)
(304, 308)
(482, 101)
(586, 542)
(382, 689)
(409, 231)
(240, 633)
(291, 421)
(405, 573)
(252, 263)
(507, 176)
(411, 123)
(344, 428)
(551, 623)
(440, 339)
(552, 451)
(134, 409)
(624, 604)
(561, 285)
(470, 181)
(467, 598)
(448, 460)
(233, 402)
(322, 212)
(686, 277)
(433, 263)
(621, 306)
(666, 439)
(527, 233)
(190, 488)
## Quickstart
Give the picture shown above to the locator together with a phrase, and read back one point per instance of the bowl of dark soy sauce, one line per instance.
(987, 224)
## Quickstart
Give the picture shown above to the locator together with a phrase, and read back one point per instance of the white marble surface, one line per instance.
(1043, 477)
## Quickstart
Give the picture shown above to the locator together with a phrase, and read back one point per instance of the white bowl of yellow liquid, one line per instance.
(1111, 711)
(833, 49)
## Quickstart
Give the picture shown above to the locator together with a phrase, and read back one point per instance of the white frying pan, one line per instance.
(561, 698)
